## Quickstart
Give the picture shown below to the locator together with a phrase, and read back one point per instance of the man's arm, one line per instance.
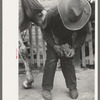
(81, 37)
(48, 36)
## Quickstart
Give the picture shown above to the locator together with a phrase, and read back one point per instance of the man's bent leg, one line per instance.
(49, 72)
(70, 77)
(49, 69)
(68, 72)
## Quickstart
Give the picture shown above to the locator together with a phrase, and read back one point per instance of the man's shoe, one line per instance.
(74, 93)
(47, 94)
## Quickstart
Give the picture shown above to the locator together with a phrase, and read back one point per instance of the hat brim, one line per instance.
(74, 25)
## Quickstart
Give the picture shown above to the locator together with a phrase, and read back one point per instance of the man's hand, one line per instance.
(67, 50)
(58, 50)
(70, 53)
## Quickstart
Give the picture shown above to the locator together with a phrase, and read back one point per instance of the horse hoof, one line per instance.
(27, 84)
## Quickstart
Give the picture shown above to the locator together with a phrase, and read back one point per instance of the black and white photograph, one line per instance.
(54, 53)
(56, 49)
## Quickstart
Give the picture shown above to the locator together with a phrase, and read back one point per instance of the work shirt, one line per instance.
(55, 30)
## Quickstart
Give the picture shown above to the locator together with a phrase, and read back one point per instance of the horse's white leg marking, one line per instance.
(24, 55)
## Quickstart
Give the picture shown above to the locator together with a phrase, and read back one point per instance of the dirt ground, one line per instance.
(85, 85)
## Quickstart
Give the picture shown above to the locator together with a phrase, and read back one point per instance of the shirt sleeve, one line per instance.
(47, 31)
(81, 37)
(48, 36)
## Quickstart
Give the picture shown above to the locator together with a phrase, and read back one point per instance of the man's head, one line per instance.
(74, 13)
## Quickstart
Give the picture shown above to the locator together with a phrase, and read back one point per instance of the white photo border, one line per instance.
(10, 45)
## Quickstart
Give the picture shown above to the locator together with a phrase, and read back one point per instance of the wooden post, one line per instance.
(44, 50)
(90, 44)
(91, 52)
(76, 60)
(83, 56)
(37, 46)
(31, 44)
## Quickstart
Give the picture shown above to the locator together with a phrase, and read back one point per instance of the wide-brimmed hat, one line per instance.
(74, 13)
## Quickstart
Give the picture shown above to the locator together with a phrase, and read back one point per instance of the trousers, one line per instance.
(67, 67)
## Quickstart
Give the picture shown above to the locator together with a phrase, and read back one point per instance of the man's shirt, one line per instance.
(55, 30)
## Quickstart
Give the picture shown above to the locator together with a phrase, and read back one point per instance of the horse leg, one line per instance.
(24, 55)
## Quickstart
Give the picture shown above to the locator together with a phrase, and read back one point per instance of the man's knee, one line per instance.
(52, 59)
(51, 63)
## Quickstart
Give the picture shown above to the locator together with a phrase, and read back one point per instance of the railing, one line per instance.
(35, 45)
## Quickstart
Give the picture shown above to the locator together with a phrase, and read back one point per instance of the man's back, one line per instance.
(55, 24)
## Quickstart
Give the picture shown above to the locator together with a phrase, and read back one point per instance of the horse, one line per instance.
(28, 9)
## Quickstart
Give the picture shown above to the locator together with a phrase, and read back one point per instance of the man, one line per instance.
(58, 27)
